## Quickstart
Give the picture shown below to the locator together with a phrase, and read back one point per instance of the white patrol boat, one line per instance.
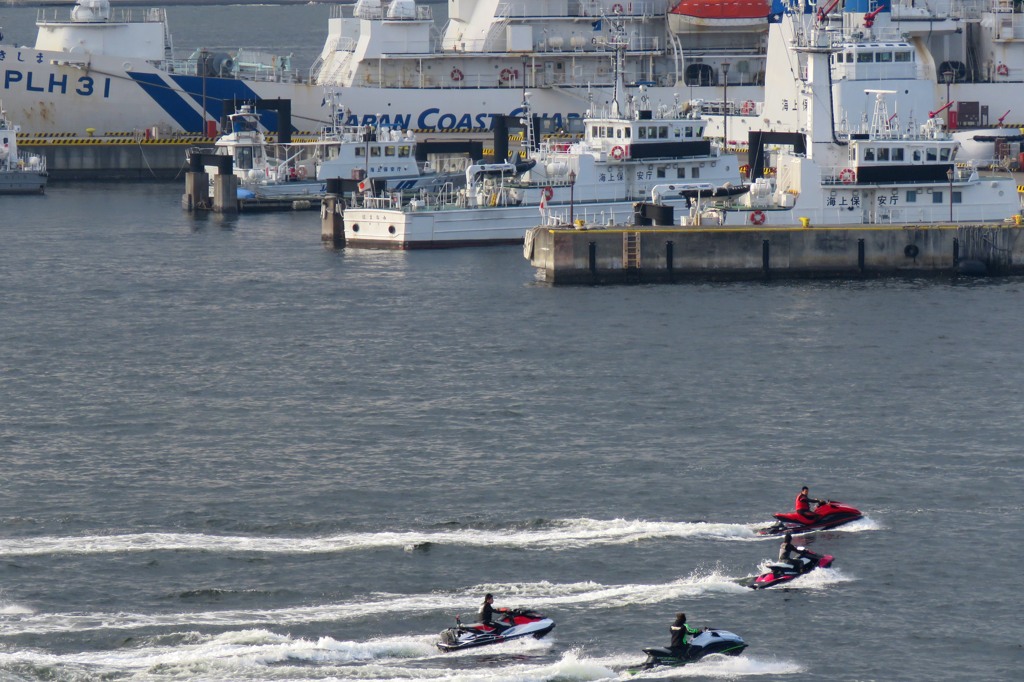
(20, 172)
(885, 172)
(624, 154)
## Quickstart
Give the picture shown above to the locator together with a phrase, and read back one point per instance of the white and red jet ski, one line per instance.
(515, 624)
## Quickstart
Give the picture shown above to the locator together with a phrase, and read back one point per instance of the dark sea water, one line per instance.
(230, 454)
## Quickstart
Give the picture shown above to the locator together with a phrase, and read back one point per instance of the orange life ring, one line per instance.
(617, 152)
(757, 217)
(457, 74)
(1003, 70)
(548, 193)
(507, 75)
(747, 108)
(847, 176)
(617, 8)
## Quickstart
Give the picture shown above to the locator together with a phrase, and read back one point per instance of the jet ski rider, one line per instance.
(803, 505)
(681, 633)
(789, 554)
(487, 614)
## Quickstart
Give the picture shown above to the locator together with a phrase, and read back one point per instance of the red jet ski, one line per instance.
(829, 515)
(783, 572)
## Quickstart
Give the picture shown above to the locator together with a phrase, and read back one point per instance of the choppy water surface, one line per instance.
(230, 454)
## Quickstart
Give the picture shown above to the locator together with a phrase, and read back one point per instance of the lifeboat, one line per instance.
(689, 16)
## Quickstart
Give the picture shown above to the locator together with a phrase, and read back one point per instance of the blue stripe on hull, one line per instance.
(170, 101)
(222, 96)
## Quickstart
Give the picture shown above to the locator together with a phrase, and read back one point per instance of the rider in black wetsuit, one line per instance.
(487, 614)
(681, 633)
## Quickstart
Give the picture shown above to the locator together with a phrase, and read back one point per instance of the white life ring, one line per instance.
(457, 74)
(617, 8)
(847, 176)
(506, 75)
(548, 193)
(617, 152)
(301, 170)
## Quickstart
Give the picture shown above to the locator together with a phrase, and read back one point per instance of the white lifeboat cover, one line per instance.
(91, 11)
(402, 9)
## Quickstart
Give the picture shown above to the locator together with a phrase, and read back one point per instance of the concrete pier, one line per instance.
(635, 254)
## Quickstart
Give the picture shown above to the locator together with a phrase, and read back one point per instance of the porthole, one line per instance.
(355, 228)
(391, 229)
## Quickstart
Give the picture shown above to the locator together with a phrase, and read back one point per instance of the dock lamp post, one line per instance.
(949, 175)
(725, 105)
(572, 197)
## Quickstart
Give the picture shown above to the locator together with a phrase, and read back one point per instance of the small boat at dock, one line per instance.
(20, 172)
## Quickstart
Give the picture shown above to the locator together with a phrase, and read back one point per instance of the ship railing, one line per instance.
(118, 15)
(592, 8)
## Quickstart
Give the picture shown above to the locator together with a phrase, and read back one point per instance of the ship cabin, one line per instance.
(888, 154)
(244, 142)
(874, 61)
(648, 138)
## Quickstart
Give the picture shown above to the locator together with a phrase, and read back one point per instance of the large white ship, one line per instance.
(393, 64)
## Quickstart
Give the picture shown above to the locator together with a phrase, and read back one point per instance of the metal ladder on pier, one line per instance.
(630, 250)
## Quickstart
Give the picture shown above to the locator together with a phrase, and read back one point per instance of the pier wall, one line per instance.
(113, 161)
(685, 254)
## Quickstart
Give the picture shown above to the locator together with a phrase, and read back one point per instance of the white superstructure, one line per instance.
(395, 65)
(890, 170)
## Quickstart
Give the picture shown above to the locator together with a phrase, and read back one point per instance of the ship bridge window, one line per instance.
(869, 154)
(904, 56)
(689, 131)
(931, 154)
(243, 157)
(641, 133)
(374, 151)
(629, 132)
(389, 150)
(681, 172)
(911, 196)
(883, 153)
(405, 151)
(883, 57)
(593, 131)
(865, 57)
(897, 154)
(944, 154)
(660, 172)
(663, 132)
(917, 155)
(360, 152)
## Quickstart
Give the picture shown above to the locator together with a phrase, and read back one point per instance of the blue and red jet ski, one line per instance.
(829, 514)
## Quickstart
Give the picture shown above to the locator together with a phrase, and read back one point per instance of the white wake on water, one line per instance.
(559, 535)
(540, 595)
